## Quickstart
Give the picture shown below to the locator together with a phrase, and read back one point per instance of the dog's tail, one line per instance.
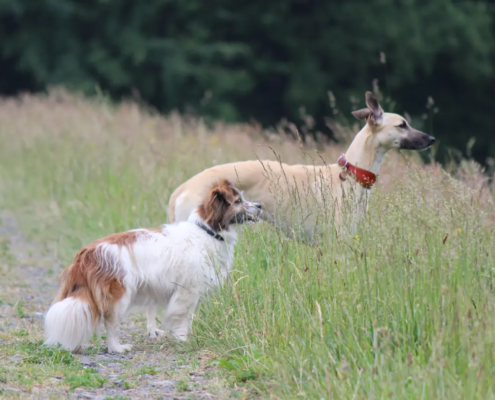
(71, 320)
(88, 292)
(69, 323)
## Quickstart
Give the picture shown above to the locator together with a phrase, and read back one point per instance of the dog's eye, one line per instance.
(403, 125)
(239, 200)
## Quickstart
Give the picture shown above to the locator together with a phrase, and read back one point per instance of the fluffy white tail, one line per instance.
(69, 323)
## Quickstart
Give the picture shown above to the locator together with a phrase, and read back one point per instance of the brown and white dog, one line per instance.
(274, 184)
(145, 268)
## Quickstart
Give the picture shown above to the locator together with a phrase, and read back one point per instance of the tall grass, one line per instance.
(405, 309)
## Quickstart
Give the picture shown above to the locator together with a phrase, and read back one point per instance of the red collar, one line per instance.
(365, 178)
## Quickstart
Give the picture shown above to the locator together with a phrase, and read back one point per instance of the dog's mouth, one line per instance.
(246, 217)
(250, 213)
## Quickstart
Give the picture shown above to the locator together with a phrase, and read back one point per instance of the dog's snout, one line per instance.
(431, 139)
(257, 205)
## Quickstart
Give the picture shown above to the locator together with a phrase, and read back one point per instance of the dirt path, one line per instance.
(154, 369)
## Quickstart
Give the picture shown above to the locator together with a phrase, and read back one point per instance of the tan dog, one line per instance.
(275, 185)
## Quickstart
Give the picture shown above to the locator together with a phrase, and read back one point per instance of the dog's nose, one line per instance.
(257, 205)
(431, 139)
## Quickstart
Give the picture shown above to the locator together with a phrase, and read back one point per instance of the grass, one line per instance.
(38, 364)
(147, 370)
(238, 366)
(20, 309)
(405, 309)
(39, 354)
(88, 379)
(182, 386)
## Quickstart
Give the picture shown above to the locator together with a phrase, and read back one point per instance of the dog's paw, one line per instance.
(156, 333)
(120, 348)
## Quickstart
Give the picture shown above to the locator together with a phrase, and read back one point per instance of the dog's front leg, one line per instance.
(178, 313)
(153, 331)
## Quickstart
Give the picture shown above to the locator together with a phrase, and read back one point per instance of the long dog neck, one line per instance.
(364, 151)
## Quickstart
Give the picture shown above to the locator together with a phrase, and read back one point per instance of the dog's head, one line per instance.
(224, 205)
(392, 130)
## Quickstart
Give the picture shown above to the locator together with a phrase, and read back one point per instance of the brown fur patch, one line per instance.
(89, 279)
(216, 209)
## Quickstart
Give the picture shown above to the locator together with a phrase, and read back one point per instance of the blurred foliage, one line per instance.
(264, 60)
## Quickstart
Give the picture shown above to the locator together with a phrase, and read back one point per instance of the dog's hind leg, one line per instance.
(153, 331)
(112, 323)
(113, 341)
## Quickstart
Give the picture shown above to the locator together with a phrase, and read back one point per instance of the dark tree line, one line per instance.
(263, 60)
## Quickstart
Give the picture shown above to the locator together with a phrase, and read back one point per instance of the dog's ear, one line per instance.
(375, 108)
(224, 191)
(362, 114)
(216, 205)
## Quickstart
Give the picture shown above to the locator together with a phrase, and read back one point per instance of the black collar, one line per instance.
(210, 232)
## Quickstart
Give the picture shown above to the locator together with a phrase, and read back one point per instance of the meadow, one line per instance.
(403, 309)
